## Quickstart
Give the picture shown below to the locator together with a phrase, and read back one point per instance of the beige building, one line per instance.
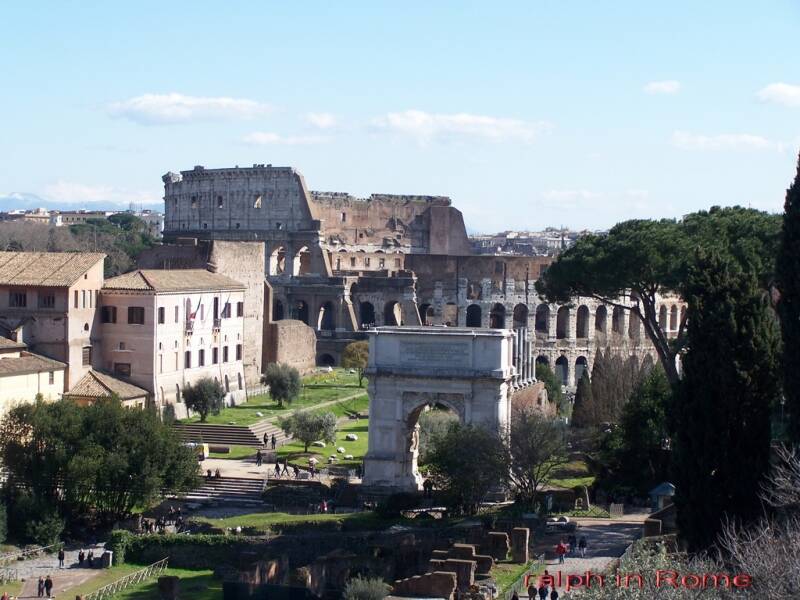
(23, 375)
(48, 300)
(164, 329)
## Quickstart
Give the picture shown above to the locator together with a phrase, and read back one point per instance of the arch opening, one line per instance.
(581, 367)
(277, 261)
(601, 319)
(300, 311)
(497, 318)
(366, 315)
(562, 370)
(582, 322)
(562, 323)
(326, 320)
(542, 323)
(520, 316)
(474, 315)
(392, 314)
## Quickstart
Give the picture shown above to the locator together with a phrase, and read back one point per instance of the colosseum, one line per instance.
(343, 264)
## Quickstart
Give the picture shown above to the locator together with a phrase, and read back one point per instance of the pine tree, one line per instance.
(722, 408)
(788, 275)
(583, 412)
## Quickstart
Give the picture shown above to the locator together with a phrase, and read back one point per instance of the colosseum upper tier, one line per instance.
(342, 264)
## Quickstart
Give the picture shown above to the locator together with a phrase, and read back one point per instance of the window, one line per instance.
(86, 356)
(240, 309)
(122, 345)
(17, 299)
(47, 301)
(161, 315)
(397, 263)
(176, 314)
(187, 359)
(344, 217)
(352, 261)
(83, 298)
(194, 202)
(76, 298)
(91, 296)
(108, 314)
(381, 263)
(51, 377)
(136, 315)
(219, 202)
(123, 369)
(257, 202)
(176, 361)
(214, 356)
(278, 225)
(201, 358)
(366, 261)
(205, 225)
(226, 311)
(224, 354)
(202, 312)
(238, 352)
(238, 225)
(160, 363)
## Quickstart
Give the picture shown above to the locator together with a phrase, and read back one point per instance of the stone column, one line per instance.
(519, 544)
(552, 324)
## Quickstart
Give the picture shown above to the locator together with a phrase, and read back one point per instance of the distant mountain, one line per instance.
(26, 201)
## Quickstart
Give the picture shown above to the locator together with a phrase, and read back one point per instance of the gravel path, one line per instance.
(47, 564)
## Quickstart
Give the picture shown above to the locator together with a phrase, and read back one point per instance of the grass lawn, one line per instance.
(13, 588)
(198, 585)
(316, 389)
(260, 523)
(572, 475)
(506, 573)
(236, 453)
(294, 450)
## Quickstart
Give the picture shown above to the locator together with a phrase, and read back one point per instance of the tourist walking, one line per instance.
(554, 594)
(272, 441)
(40, 587)
(532, 591)
(573, 544)
(266, 439)
(48, 587)
(82, 554)
(61, 558)
(90, 558)
(543, 592)
(514, 596)
(277, 469)
(259, 458)
(285, 467)
(561, 550)
(582, 546)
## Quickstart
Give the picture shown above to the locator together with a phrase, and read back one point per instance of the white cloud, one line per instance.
(726, 141)
(781, 93)
(162, 109)
(321, 120)
(669, 86)
(263, 138)
(425, 126)
(70, 191)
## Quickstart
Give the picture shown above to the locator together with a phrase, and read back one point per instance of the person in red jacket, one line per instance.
(561, 550)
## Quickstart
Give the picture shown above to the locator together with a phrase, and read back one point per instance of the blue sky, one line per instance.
(526, 114)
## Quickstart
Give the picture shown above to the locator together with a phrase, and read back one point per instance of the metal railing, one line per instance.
(516, 587)
(7, 559)
(108, 591)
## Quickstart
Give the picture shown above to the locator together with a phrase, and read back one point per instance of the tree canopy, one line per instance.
(638, 260)
(355, 356)
(309, 427)
(204, 396)
(283, 381)
(103, 459)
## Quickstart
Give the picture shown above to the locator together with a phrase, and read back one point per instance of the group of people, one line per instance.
(158, 525)
(43, 586)
(572, 547)
(83, 557)
(216, 475)
(271, 441)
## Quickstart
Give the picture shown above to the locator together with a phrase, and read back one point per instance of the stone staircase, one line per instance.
(230, 490)
(230, 435)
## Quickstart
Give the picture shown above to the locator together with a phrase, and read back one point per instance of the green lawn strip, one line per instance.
(104, 577)
(572, 482)
(197, 585)
(293, 450)
(573, 474)
(260, 523)
(316, 389)
(236, 453)
(14, 588)
(505, 573)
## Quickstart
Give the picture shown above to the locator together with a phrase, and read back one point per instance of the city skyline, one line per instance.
(526, 117)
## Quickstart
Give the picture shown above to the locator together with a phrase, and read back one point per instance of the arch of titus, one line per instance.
(470, 371)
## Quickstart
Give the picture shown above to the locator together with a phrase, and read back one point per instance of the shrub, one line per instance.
(396, 503)
(365, 588)
(283, 381)
(3, 523)
(45, 531)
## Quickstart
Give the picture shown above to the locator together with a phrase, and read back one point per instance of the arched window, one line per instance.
(277, 261)
(662, 317)
(423, 313)
(601, 319)
(227, 385)
(617, 319)
(542, 319)
(239, 377)
(673, 318)
(520, 316)
(474, 315)
(392, 314)
(301, 311)
(582, 322)
(581, 365)
(634, 326)
(497, 318)
(325, 319)
(562, 370)
(562, 323)
(302, 262)
(366, 313)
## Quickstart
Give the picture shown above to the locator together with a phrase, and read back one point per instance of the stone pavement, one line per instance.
(607, 540)
(63, 579)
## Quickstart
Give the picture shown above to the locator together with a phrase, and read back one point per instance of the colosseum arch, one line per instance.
(300, 311)
(662, 317)
(497, 318)
(562, 370)
(301, 265)
(582, 322)
(277, 261)
(581, 366)
(618, 320)
(520, 316)
(366, 314)
(392, 313)
(562, 323)
(426, 314)
(601, 319)
(542, 321)
(673, 318)
(542, 360)
(326, 320)
(634, 326)
(474, 315)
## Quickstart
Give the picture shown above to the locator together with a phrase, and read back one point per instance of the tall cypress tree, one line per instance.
(788, 276)
(723, 405)
(583, 412)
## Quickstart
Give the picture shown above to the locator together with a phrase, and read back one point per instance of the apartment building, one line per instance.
(164, 329)
(48, 301)
(23, 375)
